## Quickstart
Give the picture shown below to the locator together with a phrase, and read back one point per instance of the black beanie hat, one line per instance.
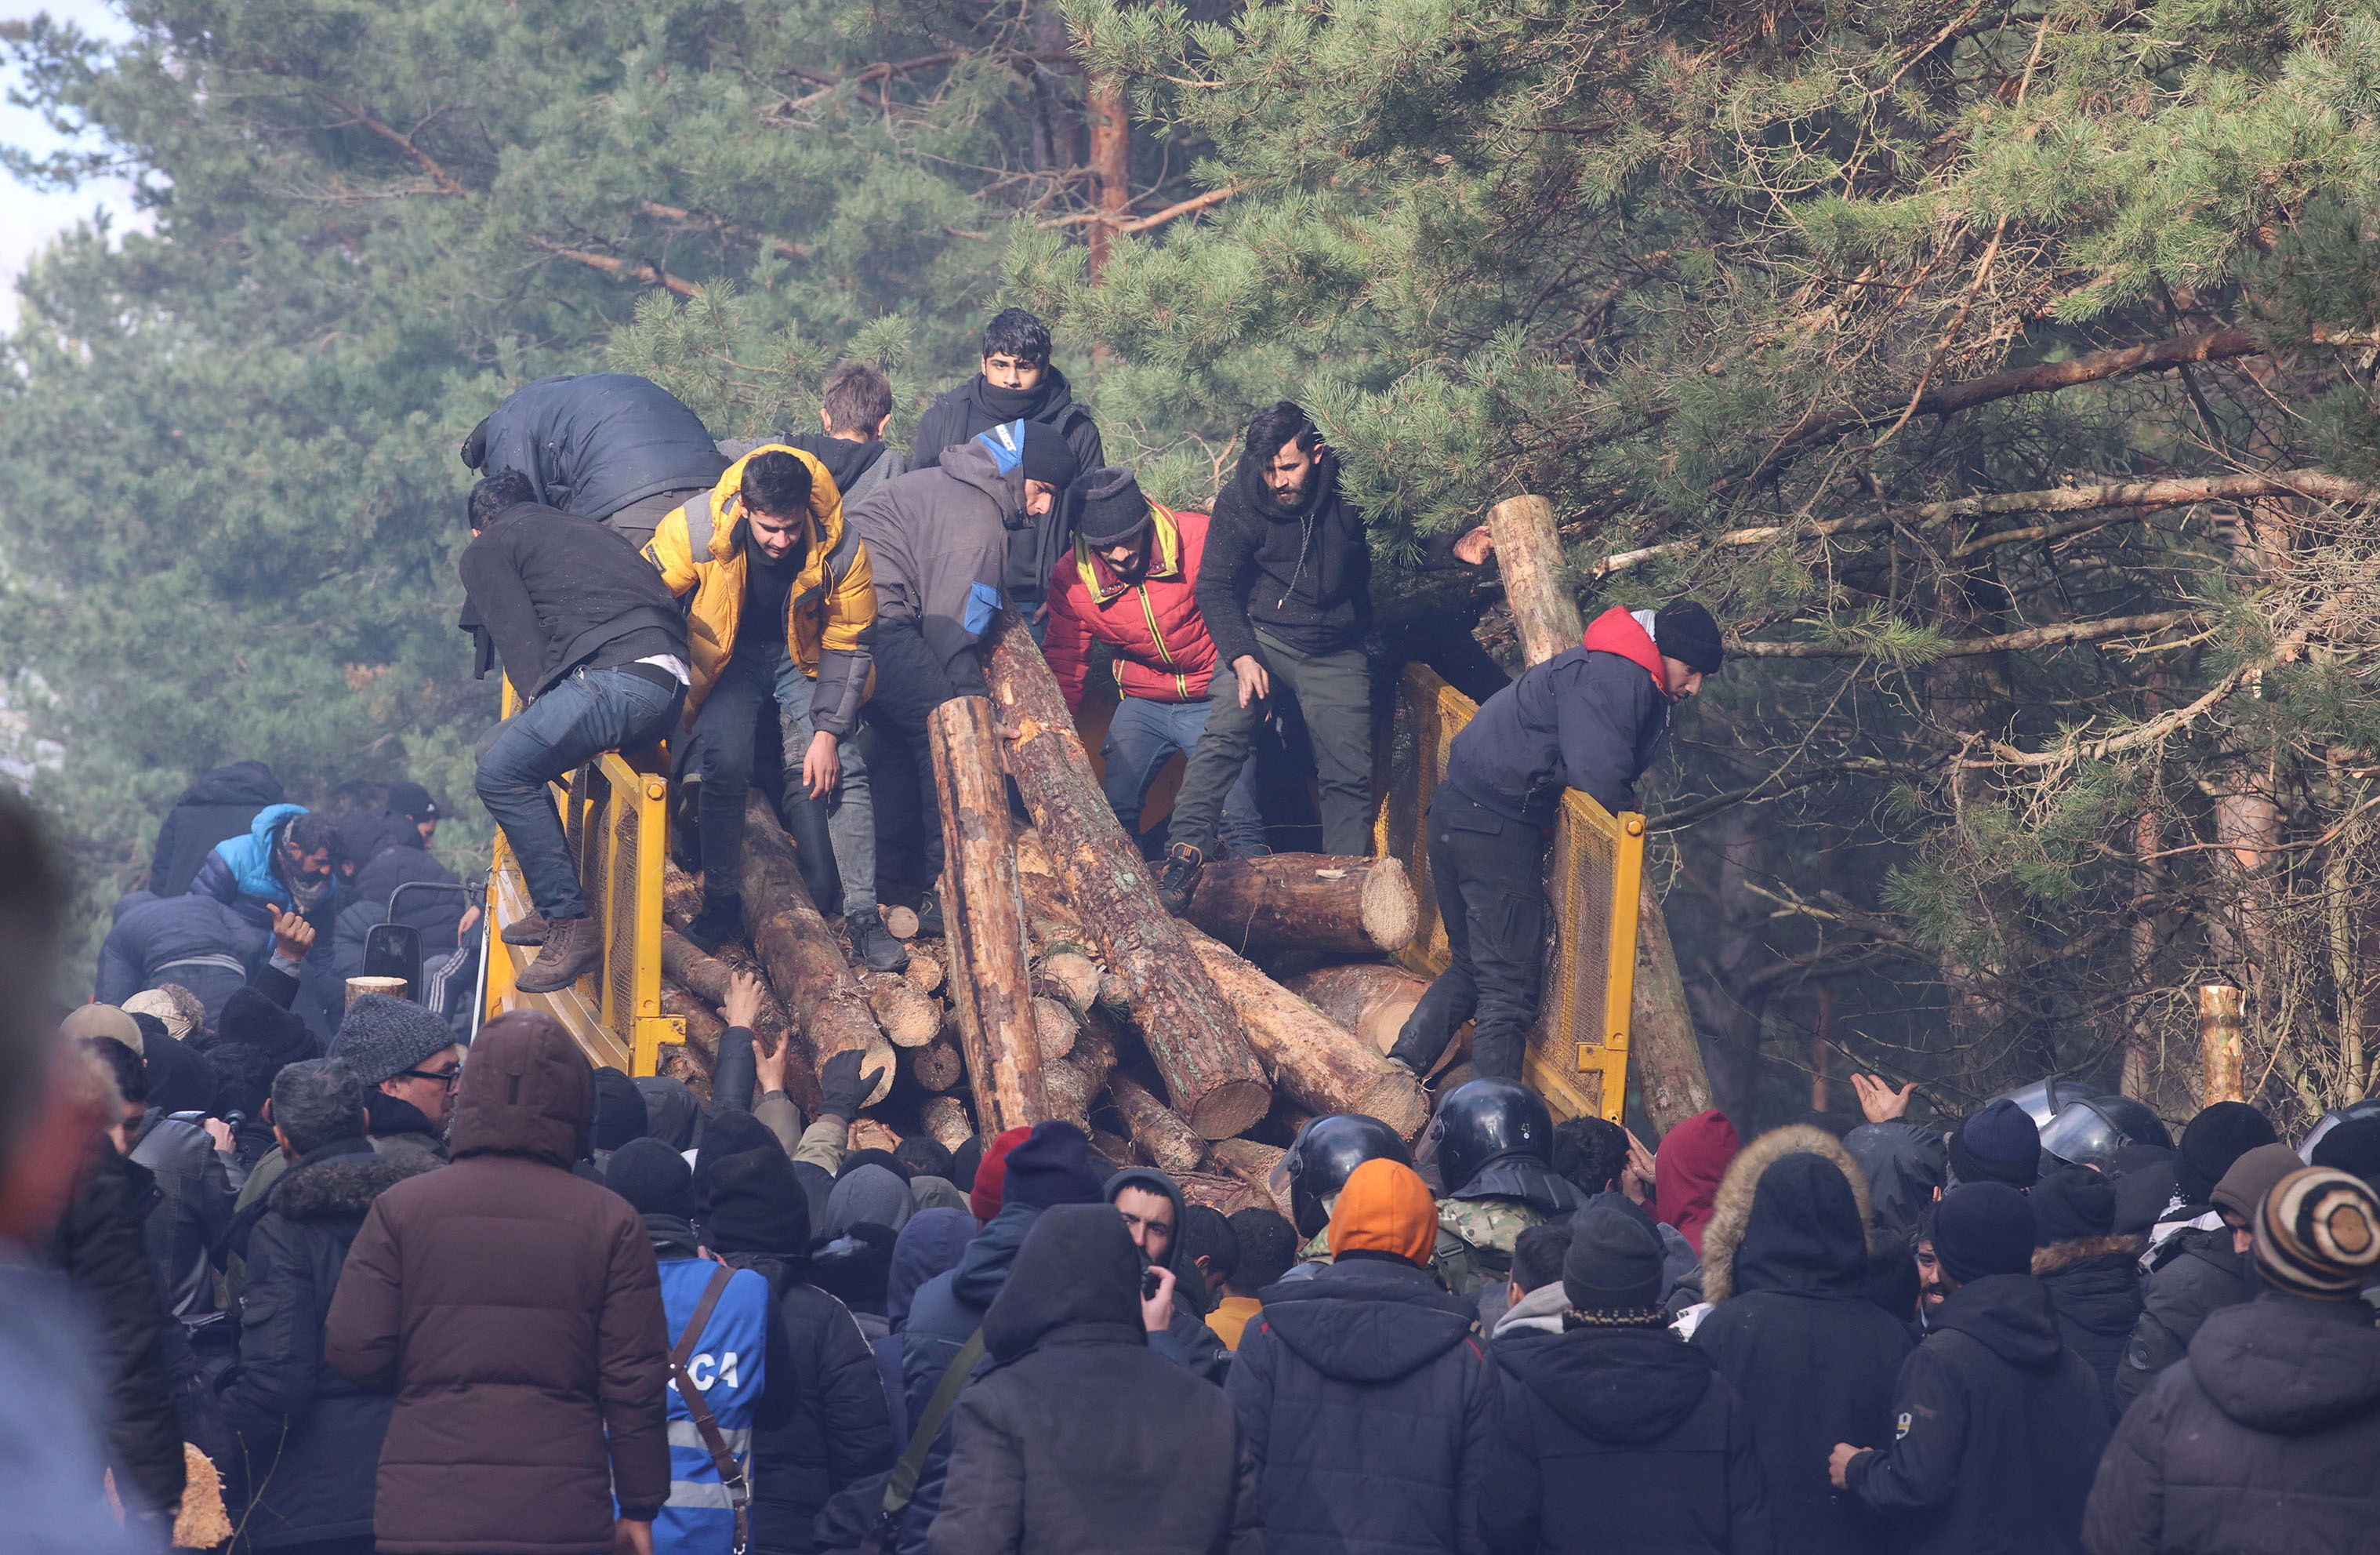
(757, 1205)
(1613, 1267)
(1109, 508)
(2354, 1147)
(653, 1178)
(2001, 1144)
(1982, 1229)
(2072, 1204)
(1683, 630)
(1049, 457)
(1052, 1166)
(2211, 1142)
(619, 1108)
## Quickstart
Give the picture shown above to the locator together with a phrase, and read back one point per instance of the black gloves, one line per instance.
(843, 1088)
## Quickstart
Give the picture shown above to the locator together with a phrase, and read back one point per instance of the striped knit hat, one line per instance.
(2318, 1234)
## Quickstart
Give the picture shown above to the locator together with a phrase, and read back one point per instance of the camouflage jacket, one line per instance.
(1475, 1240)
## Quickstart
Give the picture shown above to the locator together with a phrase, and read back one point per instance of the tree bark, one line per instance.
(1222, 1194)
(1106, 107)
(1307, 904)
(1528, 553)
(707, 978)
(1372, 999)
(992, 990)
(1211, 1075)
(805, 965)
(1172, 1145)
(1252, 1163)
(1056, 1027)
(1324, 1066)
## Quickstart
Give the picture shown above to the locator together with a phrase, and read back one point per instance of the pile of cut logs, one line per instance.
(1063, 988)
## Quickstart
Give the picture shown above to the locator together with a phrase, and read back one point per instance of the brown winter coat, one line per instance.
(517, 1311)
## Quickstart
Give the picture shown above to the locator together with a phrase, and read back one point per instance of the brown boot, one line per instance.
(527, 930)
(573, 949)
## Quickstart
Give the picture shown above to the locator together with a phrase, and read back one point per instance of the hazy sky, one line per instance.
(28, 219)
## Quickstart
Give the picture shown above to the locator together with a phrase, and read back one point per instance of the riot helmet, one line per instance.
(2367, 1108)
(1326, 1153)
(2090, 1132)
(2044, 1100)
(1480, 1120)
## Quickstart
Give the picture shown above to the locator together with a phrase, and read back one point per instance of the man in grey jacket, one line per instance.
(937, 541)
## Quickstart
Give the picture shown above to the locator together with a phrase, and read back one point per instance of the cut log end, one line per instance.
(1389, 912)
(945, 1119)
(1056, 1027)
(901, 922)
(925, 971)
(1230, 1108)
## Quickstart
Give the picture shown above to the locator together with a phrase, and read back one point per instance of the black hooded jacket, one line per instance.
(1188, 1341)
(1998, 1428)
(2094, 1289)
(857, 468)
(593, 442)
(2264, 1441)
(1623, 1438)
(1811, 1360)
(1303, 574)
(555, 591)
(100, 1247)
(2199, 1274)
(220, 806)
(1079, 1438)
(1371, 1410)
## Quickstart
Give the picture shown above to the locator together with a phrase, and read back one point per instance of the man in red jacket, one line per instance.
(1129, 582)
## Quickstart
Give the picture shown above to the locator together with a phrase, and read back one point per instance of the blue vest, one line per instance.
(728, 1368)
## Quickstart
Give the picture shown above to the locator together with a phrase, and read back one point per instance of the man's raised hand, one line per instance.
(293, 937)
(1878, 1100)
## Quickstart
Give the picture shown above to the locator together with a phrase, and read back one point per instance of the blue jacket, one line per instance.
(593, 442)
(944, 1315)
(1370, 1410)
(729, 1366)
(239, 873)
(194, 940)
(1584, 719)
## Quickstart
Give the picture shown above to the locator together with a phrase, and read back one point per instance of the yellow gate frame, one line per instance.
(616, 814)
(1578, 1050)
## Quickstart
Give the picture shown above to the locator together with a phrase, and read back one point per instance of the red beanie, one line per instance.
(992, 1175)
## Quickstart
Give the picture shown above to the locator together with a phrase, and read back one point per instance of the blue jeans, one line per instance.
(577, 720)
(1142, 738)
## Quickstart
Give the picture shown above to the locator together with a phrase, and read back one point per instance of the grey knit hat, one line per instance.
(383, 1037)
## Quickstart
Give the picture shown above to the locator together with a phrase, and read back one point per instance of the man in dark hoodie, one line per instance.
(856, 408)
(1997, 1424)
(1617, 1435)
(937, 545)
(2205, 1271)
(610, 446)
(2211, 1143)
(2263, 1440)
(1079, 1439)
(1052, 1166)
(930, 1245)
(1285, 587)
(1370, 1409)
(1151, 1203)
(2090, 1273)
(1785, 1261)
(1590, 718)
(1017, 383)
(220, 806)
(311, 1439)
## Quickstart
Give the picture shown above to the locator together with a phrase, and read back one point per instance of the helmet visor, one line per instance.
(2080, 1134)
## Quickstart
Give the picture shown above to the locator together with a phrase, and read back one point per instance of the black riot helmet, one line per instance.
(1327, 1152)
(2367, 1108)
(2090, 1132)
(1482, 1119)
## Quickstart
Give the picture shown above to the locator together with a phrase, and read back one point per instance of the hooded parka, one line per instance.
(1079, 1439)
(1188, 1341)
(1785, 1259)
(937, 544)
(216, 808)
(830, 613)
(517, 1310)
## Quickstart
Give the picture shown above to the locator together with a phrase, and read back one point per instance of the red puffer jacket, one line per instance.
(1162, 651)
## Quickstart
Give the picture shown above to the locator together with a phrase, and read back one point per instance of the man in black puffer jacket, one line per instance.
(1080, 1439)
(1617, 1435)
(610, 446)
(2093, 1275)
(220, 806)
(2200, 1271)
(841, 1428)
(311, 1439)
(1997, 1426)
(1370, 1408)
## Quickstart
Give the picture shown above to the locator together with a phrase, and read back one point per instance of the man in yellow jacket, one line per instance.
(784, 606)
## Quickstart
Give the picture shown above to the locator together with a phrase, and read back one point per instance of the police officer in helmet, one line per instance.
(1325, 1152)
(1493, 1142)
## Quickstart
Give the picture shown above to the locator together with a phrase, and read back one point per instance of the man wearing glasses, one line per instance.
(409, 1063)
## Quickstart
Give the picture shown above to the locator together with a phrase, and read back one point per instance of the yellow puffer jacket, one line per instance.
(830, 616)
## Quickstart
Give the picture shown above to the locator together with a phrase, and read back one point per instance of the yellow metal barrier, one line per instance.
(1578, 1050)
(616, 814)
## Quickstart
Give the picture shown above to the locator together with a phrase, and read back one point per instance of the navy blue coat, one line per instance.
(593, 442)
(943, 1317)
(209, 947)
(1371, 1412)
(1584, 719)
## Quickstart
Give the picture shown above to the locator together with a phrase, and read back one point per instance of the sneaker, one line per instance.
(874, 944)
(722, 919)
(573, 949)
(528, 930)
(1179, 878)
(930, 915)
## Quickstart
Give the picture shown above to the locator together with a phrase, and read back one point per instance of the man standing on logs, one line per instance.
(595, 645)
(938, 544)
(785, 609)
(1129, 582)
(1589, 718)
(1286, 589)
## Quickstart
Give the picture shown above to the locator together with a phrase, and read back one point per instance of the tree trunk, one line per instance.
(1252, 1163)
(1528, 553)
(1211, 1076)
(944, 1118)
(1172, 1145)
(992, 990)
(1307, 904)
(1372, 999)
(707, 978)
(1106, 108)
(908, 1015)
(1326, 1067)
(804, 964)
(937, 1067)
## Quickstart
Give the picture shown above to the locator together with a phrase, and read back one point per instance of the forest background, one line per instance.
(2001, 373)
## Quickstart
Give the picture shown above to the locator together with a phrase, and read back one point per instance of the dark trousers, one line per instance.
(1489, 874)
(721, 755)
(1334, 693)
(911, 682)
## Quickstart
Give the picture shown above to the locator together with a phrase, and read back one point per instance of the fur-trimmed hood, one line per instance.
(344, 1186)
(1808, 1234)
(2066, 1254)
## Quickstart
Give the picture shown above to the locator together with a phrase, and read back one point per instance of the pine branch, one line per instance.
(1142, 224)
(428, 163)
(2006, 642)
(702, 218)
(620, 269)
